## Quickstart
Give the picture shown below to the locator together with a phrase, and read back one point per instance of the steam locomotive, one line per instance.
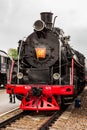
(48, 72)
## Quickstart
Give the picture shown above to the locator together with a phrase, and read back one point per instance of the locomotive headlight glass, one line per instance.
(56, 76)
(39, 25)
(20, 75)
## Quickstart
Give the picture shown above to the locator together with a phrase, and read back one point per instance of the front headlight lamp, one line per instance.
(20, 75)
(56, 76)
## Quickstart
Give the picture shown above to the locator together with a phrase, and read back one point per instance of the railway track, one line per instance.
(9, 117)
(50, 121)
(19, 120)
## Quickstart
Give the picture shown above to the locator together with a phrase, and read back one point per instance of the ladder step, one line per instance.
(65, 98)
(68, 103)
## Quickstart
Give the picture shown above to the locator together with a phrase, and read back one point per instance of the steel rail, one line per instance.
(10, 120)
(51, 120)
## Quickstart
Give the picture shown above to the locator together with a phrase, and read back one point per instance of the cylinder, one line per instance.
(47, 18)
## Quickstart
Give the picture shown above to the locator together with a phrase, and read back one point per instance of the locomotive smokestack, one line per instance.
(47, 18)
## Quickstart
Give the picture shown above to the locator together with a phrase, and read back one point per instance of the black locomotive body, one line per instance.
(47, 66)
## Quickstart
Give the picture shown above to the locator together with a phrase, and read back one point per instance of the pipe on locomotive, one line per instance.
(45, 22)
(54, 21)
(19, 74)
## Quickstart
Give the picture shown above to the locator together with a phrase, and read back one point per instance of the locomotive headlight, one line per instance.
(56, 76)
(20, 75)
(39, 25)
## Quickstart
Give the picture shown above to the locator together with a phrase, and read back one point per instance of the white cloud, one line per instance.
(5, 11)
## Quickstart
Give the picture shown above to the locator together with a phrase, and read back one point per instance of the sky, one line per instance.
(18, 16)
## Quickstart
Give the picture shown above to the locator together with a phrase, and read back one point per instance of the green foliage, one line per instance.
(13, 53)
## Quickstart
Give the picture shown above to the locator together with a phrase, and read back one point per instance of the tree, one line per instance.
(13, 53)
